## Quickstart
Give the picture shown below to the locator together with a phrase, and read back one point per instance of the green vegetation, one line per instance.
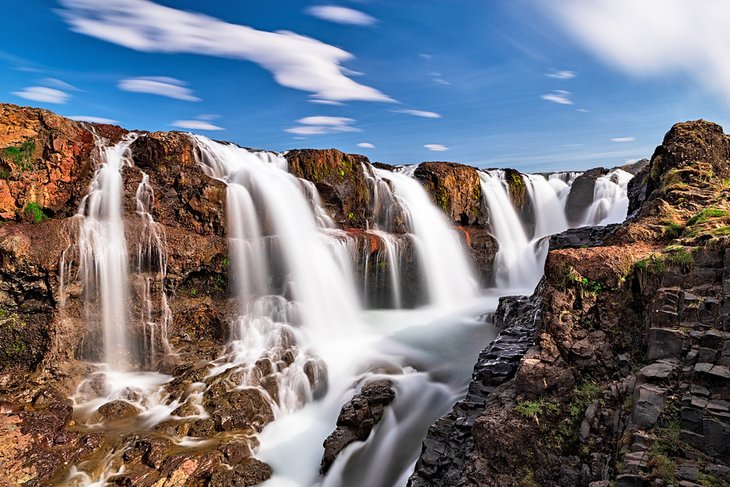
(226, 261)
(672, 230)
(721, 231)
(706, 214)
(654, 264)
(12, 332)
(22, 156)
(351, 216)
(707, 480)
(679, 257)
(536, 409)
(4, 174)
(34, 211)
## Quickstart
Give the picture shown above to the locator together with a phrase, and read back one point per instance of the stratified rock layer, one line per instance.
(627, 382)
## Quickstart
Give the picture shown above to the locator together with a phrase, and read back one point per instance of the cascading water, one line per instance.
(103, 252)
(298, 315)
(610, 199)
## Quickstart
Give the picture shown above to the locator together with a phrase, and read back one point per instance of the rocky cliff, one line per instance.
(626, 381)
(46, 165)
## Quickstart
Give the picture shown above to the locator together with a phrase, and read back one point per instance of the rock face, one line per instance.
(340, 180)
(626, 382)
(581, 195)
(357, 419)
(455, 188)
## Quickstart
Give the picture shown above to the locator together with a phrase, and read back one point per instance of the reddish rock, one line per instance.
(455, 188)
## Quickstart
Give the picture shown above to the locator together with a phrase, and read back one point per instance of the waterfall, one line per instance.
(447, 275)
(549, 210)
(610, 199)
(152, 270)
(103, 251)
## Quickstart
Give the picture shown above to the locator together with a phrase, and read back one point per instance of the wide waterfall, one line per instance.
(306, 332)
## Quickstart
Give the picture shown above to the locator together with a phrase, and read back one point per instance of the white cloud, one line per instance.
(195, 125)
(623, 139)
(564, 74)
(418, 113)
(57, 83)
(43, 94)
(436, 147)
(158, 85)
(333, 121)
(319, 125)
(90, 119)
(325, 102)
(582, 110)
(295, 61)
(560, 97)
(341, 15)
(425, 55)
(655, 37)
(366, 145)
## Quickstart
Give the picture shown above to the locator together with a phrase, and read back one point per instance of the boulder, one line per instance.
(455, 188)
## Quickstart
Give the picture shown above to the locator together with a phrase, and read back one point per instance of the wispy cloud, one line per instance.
(158, 85)
(57, 83)
(436, 147)
(439, 79)
(425, 55)
(341, 15)
(91, 119)
(623, 139)
(325, 102)
(295, 61)
(366, 145)
(655, 37)
(582, 110)
(417, 113)
(320, 125)
(195, 125)
(564, 74)
(560, 97)
(43, 94)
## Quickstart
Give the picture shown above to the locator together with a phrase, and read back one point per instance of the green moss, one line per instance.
(707, 480)
(672, 230)
(721, 232)
(226, 261)
(679, 257)
(664, 468)
(706, 214)
(34, 212)
(537, 409)
(654, 264)
(12, 345)
(21, 155)
(4, 174)
(351, 216)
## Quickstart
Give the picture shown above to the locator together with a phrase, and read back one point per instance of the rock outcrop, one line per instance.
(626, 383)
(581, 195)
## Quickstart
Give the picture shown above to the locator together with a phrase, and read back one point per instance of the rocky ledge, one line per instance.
(626, 383)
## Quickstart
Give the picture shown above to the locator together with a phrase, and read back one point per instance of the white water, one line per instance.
(610, 199)
(103, 252)
(298, 309)
(447, 274)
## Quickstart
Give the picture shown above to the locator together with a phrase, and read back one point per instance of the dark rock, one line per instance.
(581, 195)
(357, 419)
(455, 188)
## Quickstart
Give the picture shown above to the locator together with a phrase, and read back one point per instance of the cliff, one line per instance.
(626, 380)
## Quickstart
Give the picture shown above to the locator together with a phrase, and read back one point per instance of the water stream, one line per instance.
(300, 288)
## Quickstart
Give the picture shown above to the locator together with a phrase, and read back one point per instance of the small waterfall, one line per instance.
(152, 270)
(401, 200)
(516, 264)
(103, 251)
(610, 199)
(549, 211)
(291, 274)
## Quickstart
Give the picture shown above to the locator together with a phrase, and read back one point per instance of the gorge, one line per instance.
(176, 310)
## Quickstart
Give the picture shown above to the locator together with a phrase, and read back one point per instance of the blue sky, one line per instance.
(566, 84)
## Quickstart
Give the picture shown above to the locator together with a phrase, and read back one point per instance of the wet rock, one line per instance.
(117, 411)
(357, 419)
(455, 188)
(251, 472)
(340, 180)
(244, 409)
(581, 195)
